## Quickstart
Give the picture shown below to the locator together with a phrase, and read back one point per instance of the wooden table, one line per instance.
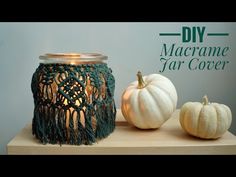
(169, 139)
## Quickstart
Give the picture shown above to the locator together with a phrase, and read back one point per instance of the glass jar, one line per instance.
(73, 98)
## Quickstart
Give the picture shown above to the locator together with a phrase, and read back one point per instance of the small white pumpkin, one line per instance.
(149, 102)
(205, 120)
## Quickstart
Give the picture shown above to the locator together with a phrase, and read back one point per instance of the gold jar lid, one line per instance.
(72, 58)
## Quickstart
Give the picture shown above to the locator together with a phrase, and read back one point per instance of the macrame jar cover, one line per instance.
(73, 98)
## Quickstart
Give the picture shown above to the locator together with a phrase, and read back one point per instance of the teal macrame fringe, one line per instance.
(52, 84)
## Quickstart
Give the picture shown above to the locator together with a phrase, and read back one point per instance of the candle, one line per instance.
(73, 96)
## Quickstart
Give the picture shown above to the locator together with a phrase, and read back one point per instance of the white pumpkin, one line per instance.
(149, 102)
(205, 120)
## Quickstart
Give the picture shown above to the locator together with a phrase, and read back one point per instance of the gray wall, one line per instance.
(130, 47)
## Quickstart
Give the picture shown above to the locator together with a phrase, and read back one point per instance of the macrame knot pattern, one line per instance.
(74, 104)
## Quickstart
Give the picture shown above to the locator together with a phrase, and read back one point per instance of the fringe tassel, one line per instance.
(52, 128)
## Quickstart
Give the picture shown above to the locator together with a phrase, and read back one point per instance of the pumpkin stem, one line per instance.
(141, 83)
(205, 100)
